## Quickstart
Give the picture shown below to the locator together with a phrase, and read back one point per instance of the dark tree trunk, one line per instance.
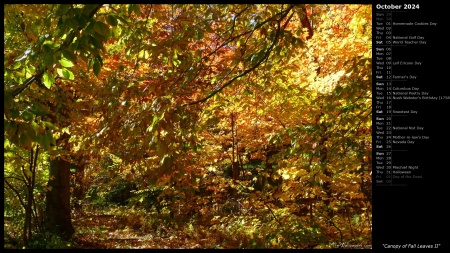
(58, 218)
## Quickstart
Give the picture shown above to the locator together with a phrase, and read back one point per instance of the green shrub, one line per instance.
(48, 240)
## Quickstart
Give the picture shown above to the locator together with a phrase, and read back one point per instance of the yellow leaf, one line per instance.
(302, 172)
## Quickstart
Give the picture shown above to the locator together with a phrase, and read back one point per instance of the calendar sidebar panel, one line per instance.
(411, 102)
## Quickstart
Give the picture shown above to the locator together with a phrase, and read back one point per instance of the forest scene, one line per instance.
(217, 126)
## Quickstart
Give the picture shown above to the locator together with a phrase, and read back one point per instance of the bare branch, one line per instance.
(15, 191)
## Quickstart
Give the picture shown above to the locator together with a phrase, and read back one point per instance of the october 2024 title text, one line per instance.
(397, 6)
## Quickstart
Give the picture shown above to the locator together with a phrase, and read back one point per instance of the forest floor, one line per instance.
(134, 228)
(117, 231)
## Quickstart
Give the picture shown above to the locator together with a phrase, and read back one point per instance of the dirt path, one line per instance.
(108, 232)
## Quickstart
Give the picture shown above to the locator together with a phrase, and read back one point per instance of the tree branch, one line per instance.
(22, 87)
(15, 191)
(63, 46)
(305, 22)
(266, 55)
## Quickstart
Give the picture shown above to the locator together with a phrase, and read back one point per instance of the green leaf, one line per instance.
(116, 32)
(49, 60)
(50, 125)
(9, 154)
(17, 65)
(69, 56)
(135, 8)
(26, 115)
(144, 54)
(112, 20)
(65, 130)
(72, 23)
(50, 44)
(97, 44)
(153, 125)
(6, 143)
(248, 92)
(130, 9)
(39, 109)
(68, 74)
(66, 62)
(52, 140)
(35, 126)
(14, 113)
(48, 138)
(62, 9)
(101, 28)
(60, 72)
(44, 141)
(25, 140)
(97, 66)
(99, 37)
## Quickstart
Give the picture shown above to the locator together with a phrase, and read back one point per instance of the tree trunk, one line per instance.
(58, 218)
(27, 223)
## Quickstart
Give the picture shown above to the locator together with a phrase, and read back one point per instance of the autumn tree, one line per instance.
(39, 113)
